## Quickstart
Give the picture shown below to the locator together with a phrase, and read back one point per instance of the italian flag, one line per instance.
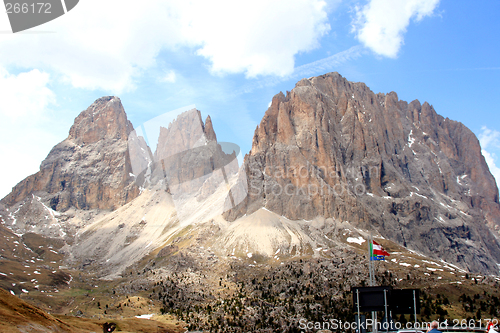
(377, 250)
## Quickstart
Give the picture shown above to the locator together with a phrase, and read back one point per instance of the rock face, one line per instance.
(88, 170)
(333, 148)
(330, 151)
(185, 182)
(189, 154)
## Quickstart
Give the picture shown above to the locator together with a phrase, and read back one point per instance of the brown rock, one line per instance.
(187, 155)
(91, 168)
(333, 148)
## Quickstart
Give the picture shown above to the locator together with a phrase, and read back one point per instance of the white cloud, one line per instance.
(22, 156)
(256, 37)
(107, 44)
(319, 66)
(381, 24)
(491, 160)
(170, 77)
(24, 133)
(489, 138)
(490, 141)
(25, 94)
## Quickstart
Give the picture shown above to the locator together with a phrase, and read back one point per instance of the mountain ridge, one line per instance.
(329, 150)
(90, 168)
(415, 171)
(109, 229)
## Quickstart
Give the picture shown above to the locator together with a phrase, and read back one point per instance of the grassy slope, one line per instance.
(17, 315)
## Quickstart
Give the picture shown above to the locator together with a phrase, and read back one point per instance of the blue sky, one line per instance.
(229, 58)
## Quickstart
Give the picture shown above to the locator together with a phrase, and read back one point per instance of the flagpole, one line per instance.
(371, 270)
(370, 262)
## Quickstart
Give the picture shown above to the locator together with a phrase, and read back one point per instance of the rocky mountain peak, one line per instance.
(184, 133)
(209, 130)
(104, 119)
(188, 153)
(333, 149)
(329, 151)
(90, 169)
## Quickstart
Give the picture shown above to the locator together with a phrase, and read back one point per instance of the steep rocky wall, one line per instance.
(333, 148)
(91, 168)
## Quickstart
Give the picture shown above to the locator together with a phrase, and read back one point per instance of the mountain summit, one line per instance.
(162, 218)
(333, 149)
(89, 170)
(329, 158)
